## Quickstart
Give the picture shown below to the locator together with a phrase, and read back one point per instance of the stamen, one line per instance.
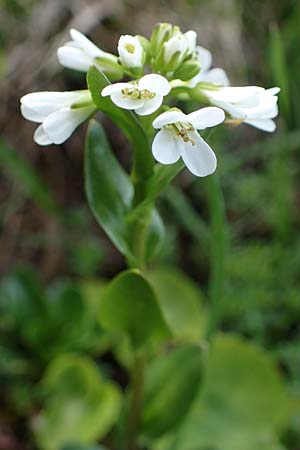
(130, 48)
(136, 94)
(181, 129)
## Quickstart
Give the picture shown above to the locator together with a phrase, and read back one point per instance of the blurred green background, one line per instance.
(54, 260)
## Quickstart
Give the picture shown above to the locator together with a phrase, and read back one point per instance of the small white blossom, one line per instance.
(178, 137)
(253, 105)
(177, 45)
(81, 53)
(130, 51)
(206, 74)
(145, 96)
(59, 114)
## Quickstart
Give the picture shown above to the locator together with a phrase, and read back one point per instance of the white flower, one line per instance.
(176, 47)
(206, 74)
(81, 53)
(178, 138)
(253, 105)
(59, 114)
(144, 97)
(131, 52)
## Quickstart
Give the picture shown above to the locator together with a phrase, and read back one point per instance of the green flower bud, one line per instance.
(161, 33)
(187, 70)
(175, 51)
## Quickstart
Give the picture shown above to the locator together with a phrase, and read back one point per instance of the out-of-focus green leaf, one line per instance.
(243, 403)
(188, 216)
(171, 384)
(279, 68)
(80, 406)
(108, 188)
(26, 177)
(83, 447)
(180, 301)
(21, 298)
(129, 306)
(51, 321)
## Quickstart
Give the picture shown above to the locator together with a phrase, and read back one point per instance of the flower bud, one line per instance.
(161, 33)
(131, 54)
(191, 37)
(188, 70)
(175, 51)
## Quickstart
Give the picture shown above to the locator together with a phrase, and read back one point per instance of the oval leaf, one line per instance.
(171, 384)
(243, 403)
(180, 300)
(129, 306)
(80, 406)
(108, 188)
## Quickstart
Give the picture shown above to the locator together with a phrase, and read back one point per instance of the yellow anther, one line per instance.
(130, 47)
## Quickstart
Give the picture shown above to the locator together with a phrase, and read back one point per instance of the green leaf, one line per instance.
(27, 178)
(242, 405)
(80, 406)
(108, 188)
(83, 447)
(129, 306)
(180, 300)
(280, 68)
(171, 384)
(126, 120)
(48, 322)
(187, 216)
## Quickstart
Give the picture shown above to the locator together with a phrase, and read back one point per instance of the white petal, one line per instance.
(83, 42)
(169, 117)
(191, 36)
(130, 58)
(234, 94)
(126, 102)
(155, 83)
(60, 125)
(264, 124)
(166, 147)
(74, 58)
(234, 111)
(217, 76)
(273, 91)
(266, 109)
(199, 158)
(206, 117)
(116, 87)
(46, 103)
(177, 43)
(40, 136)
(205, 58)
(31, 114)
(150, 106)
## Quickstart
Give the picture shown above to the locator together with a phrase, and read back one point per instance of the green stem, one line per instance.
(218, 250)
(135, 408)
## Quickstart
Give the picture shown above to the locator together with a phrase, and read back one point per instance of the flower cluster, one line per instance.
(167, 65)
